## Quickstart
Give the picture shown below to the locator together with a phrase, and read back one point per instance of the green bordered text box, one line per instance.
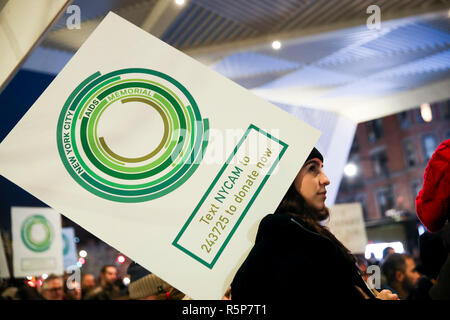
(214, 183)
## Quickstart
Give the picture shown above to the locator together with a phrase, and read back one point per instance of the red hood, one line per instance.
(433, 201)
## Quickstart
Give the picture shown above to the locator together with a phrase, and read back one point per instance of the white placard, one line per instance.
(135, 142)
(4, 270)
(69, 248)
(347, 225)
(37, 245)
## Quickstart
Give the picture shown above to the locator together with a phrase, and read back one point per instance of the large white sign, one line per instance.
(69, 248)
(157, 155)
(37, 247)
(4, 270)
(347, 224)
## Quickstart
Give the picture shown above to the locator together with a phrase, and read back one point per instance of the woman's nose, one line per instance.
(324, 179)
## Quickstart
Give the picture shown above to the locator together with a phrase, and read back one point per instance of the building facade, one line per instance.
(390, 155)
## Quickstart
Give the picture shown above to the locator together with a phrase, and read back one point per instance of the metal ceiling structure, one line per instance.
(329, 59)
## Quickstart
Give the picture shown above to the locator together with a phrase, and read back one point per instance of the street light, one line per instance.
(425, 112)
(350, 169)
(82, 253)
(276, 45)
(121, 259)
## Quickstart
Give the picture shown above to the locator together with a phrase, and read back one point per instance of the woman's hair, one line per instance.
(294, 204)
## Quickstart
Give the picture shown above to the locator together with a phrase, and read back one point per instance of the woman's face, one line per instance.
(311, 182)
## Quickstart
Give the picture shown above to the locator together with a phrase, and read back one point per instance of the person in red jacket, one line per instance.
(433, 201)
(433, 210)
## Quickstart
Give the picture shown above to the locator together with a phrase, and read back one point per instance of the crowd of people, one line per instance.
(405, 277)
(143, 285)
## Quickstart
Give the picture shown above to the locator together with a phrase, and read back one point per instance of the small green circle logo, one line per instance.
(37, 233)
(97, 145)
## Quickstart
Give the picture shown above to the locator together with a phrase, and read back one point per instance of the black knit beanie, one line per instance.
(315, 154)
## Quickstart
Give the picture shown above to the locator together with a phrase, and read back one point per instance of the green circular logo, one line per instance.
(37, 233)
(131, 135)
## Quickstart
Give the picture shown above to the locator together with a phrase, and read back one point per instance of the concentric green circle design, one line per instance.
(29, 239)
(102, 171)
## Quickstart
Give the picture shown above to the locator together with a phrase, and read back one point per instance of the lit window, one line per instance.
(385, 200)
(380, 163)
(404, 119)
(429, 145)
(409, 152)
(374, 130)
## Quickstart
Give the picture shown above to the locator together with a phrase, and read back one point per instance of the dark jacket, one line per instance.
(441, 290)
(291, 261)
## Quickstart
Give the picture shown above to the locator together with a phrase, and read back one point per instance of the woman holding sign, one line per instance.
(295, 256)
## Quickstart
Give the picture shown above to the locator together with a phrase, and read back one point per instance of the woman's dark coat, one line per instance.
(292, 261)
